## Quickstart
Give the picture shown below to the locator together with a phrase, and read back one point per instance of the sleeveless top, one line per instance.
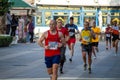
(86, 37)
(52, 41)
(107, 32)
(64, 31)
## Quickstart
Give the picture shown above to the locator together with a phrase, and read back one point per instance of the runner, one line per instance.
(71, 27)
(86, 45)
(52, 46)
(95, 41)
(63, 48)
(108, 36)
(115, 35)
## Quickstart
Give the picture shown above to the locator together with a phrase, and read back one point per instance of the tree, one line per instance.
(4, 7)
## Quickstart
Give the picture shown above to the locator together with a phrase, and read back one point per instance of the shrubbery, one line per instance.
(5, 40)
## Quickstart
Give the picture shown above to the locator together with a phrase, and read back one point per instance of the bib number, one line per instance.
(107, 35)
(53, 45)
(71, 33)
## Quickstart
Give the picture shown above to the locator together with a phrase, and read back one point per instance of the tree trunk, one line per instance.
(2, 24)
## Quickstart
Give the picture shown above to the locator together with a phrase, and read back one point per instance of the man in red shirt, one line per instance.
(108, 36)
(63, 48)
(53, 41)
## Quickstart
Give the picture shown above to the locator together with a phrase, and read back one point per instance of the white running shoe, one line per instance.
(94, 57)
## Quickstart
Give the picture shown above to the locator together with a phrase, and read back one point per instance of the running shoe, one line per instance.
(89, 70)
(85, 67)
(95, 57)
(70, 60)
(50, 77)
(106, 48)
(61, 71)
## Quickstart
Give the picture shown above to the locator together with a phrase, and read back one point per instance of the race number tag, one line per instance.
(86, 38)
(71, 33)
(107, 35)
(53, 45)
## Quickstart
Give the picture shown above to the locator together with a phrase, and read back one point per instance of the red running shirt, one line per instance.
(64, 31)
(52, 41)
(108, 30)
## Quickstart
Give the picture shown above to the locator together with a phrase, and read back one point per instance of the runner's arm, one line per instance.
(77, 30)
(62, 40)
(67, 37)
(80, 39)
(41, 39)
(92, 34)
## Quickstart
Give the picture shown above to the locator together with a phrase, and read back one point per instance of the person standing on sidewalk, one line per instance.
(108, 36)
(86, 36)
(95, 42)
(64, 31)
(53, 41)
(14, 25)
(115, 35)
(71, 27)
(31, 30)
(8, 21)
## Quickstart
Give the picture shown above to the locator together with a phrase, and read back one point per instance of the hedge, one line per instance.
(5, 40)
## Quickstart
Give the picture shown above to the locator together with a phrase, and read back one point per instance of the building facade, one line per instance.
(102, 11)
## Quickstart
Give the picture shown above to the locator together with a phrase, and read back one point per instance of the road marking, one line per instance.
(64, 78)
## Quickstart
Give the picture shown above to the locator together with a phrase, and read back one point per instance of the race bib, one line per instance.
(86, 38)
(53, 45)
(107, 35)
(71, 33)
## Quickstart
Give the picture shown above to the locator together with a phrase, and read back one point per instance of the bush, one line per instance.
(5, 40)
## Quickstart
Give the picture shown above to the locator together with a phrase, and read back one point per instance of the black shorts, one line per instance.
(115, 37)
(108, 39)
(95, 44)
(87, 48)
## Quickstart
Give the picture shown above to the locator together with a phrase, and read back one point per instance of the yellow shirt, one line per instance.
(86, 37)
(96, 30)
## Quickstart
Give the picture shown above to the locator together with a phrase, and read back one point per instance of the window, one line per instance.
(38, 20)
(76, 20)
(47, 18)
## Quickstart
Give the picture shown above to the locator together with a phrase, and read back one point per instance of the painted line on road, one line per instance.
(64, 78)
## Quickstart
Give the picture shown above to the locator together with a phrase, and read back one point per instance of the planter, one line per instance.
(5, 40)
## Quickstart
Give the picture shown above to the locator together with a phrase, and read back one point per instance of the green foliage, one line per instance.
(5, 40)
(4, 6)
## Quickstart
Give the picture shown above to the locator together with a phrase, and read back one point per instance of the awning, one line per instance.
(20, 4)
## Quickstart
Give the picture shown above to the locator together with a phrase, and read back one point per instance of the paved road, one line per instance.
(26, 62)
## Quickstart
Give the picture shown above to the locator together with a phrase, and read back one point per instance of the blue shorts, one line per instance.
(49, 61)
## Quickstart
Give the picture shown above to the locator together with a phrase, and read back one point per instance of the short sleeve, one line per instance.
(76, 27)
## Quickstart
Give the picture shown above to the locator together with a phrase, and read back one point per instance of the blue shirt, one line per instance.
(71, 28)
